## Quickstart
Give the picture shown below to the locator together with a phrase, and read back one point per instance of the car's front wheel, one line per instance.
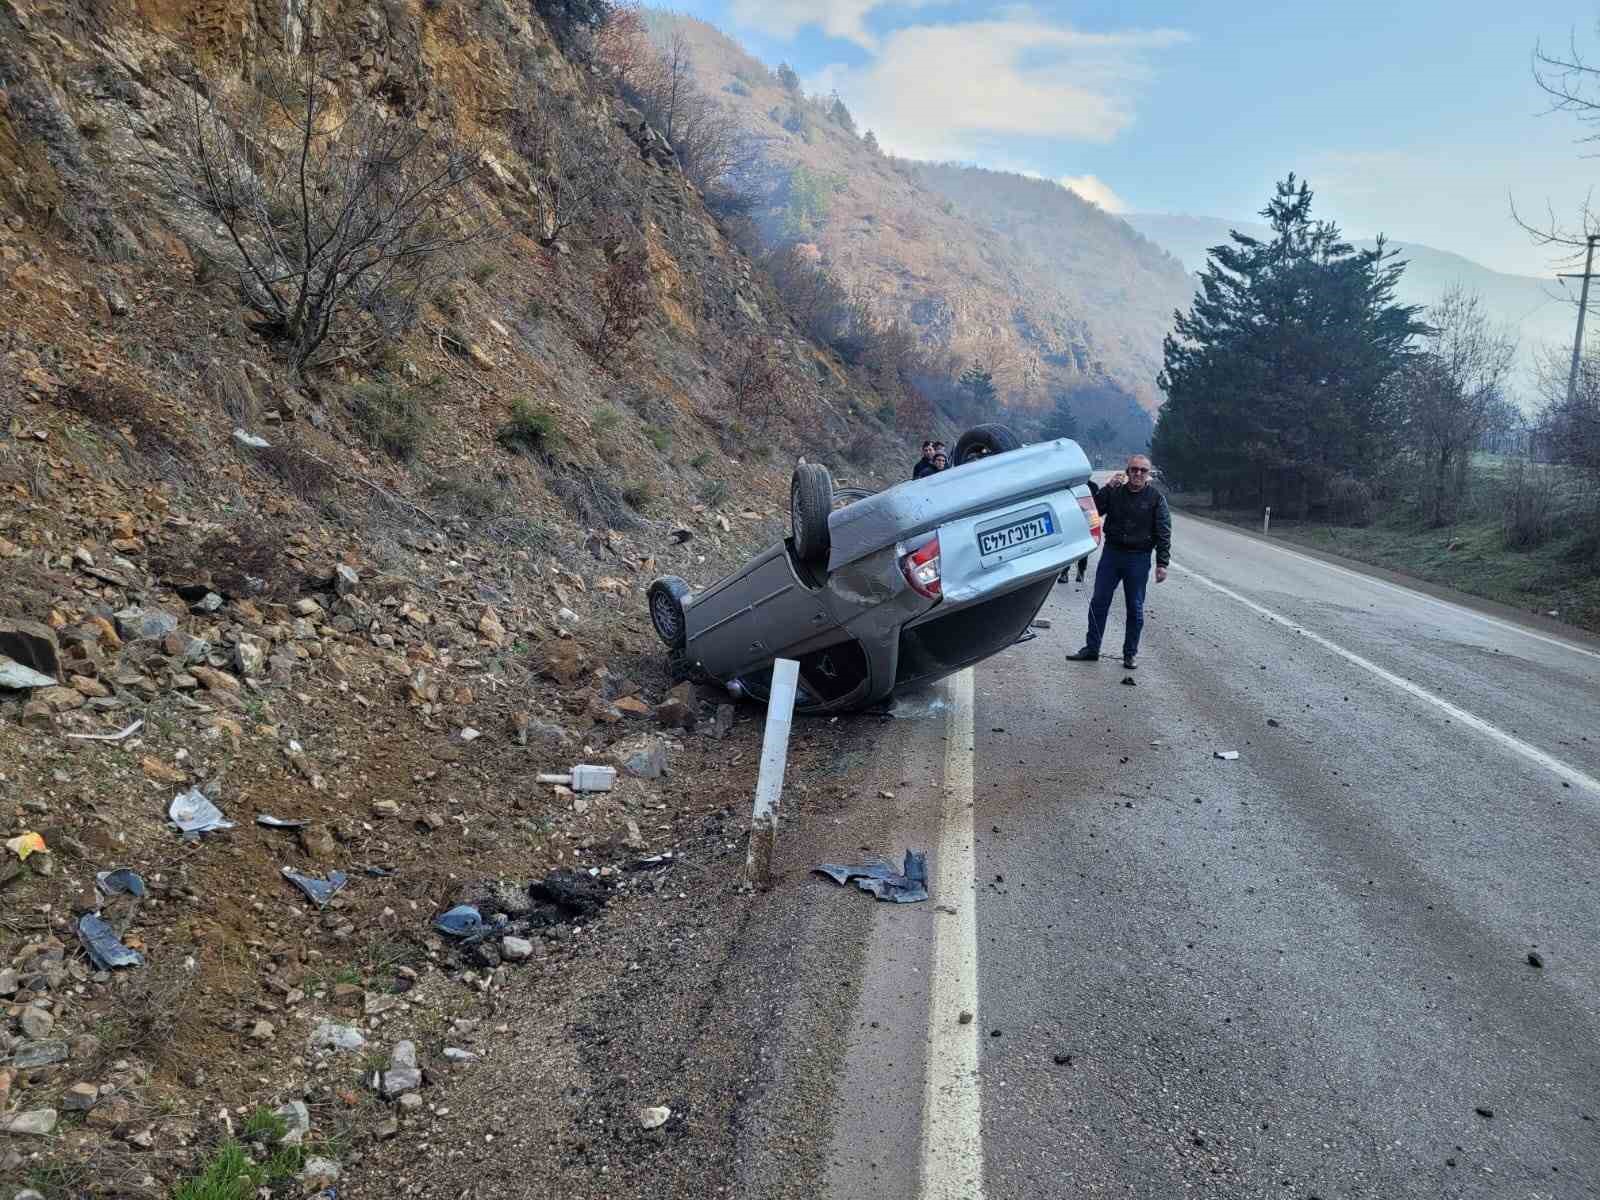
(983, 440)
(810, 502)
(666, 598)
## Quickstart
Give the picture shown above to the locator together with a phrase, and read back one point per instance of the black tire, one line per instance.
(666, 597)
(810, 502)
(983, 440)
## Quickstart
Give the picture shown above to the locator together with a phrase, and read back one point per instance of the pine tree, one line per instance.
(978, 382)
(1276, 377)
(1062, 421)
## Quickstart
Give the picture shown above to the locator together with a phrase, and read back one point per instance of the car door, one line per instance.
(765, 611)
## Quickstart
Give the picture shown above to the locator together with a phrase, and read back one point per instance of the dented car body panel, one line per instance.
(1006, 526)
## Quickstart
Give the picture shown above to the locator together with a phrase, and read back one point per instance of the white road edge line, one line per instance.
(952, 1110)
(1515, 744)
(1412, 593)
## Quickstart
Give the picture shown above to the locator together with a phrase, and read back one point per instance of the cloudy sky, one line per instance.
(1415, 118)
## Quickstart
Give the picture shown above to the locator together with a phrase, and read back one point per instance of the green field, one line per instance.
(1560, 576)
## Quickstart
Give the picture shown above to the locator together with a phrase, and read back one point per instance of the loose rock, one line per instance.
(36, 1022)
(145, 624)
(654, 1118)
(403, 1074)
(515, 949)
(330, 1036)
(37, 1122)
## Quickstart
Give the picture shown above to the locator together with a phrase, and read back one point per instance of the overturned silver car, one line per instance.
(875, 591)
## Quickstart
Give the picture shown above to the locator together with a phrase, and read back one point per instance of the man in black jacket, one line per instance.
(924, 465)
(1137, 521)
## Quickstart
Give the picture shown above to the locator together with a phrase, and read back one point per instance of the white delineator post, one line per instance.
(1266, 520)
(769, 783)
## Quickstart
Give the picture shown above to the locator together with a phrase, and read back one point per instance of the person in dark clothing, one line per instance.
(1137, 521)
(925, 463)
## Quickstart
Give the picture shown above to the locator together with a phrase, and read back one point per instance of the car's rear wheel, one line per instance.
(666, 598)
(983, 440)
(810, 502)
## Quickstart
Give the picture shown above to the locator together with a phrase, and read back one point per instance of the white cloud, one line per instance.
(844, 19)
(934, 90)
(1095, 191)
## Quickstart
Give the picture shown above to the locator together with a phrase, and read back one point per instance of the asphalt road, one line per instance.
(1302, 973)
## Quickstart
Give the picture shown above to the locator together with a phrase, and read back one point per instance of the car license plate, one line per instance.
(1030, 529)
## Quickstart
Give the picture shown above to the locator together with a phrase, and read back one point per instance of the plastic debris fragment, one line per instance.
(193, 812)
(908, 885)
(320, 891)
(26, 844)
(464, 921)
(272, 822)
(123, 881)
(103, 945)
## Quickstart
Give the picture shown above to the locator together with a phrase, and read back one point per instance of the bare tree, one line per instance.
(664, 81)
(623, 300)
(760, 387)
(575, 166)
(622, 43)
(1454, 395)
(711, 144)
(1572, 84)
(337, 236)
(1567, 428)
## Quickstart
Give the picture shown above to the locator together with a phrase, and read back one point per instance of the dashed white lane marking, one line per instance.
(952, 1111)
(1515, 744)
(1458, 609)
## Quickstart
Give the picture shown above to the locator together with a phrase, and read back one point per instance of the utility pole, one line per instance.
(1583, 305)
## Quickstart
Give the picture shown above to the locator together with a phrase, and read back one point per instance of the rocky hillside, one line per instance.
(1019, 273)
(355, 604)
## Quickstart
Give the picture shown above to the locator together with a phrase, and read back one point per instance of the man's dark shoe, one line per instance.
(1129, 663)
(1084, 655)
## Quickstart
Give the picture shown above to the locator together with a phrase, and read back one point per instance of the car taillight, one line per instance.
(921, 569)
(1092, 515)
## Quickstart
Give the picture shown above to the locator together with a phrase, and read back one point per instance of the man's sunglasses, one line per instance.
(1138, 470)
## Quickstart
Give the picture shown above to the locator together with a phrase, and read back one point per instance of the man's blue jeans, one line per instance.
(1130, 568)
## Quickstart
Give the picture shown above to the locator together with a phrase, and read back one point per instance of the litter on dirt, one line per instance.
(121, 882)
(1129, 681)
(1225, 755)
(584, 778)
(26, 844)
(128, 731)
(646, 864)
(193, 812)
(103, 945)
(320, 891)
(272, 822)
(879, 877)
(463, 921)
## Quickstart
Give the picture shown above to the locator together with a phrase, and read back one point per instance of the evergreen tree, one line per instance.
(787, 77)
(1101, 437)
(1276, 379)
(1062, 421)
(839, 114)
(978, 383)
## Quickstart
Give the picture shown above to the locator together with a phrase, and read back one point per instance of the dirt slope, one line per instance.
(380, 629)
